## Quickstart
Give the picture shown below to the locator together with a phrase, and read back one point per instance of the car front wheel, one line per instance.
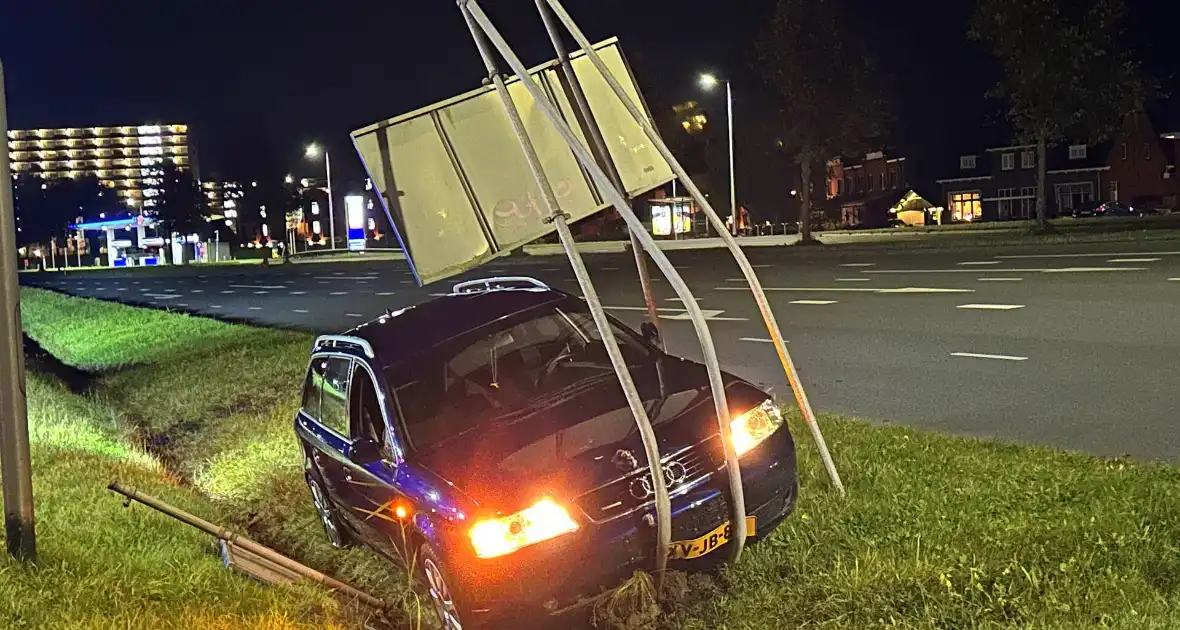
(336, 534)
(442, 591)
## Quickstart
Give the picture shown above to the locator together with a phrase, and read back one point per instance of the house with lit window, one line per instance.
(861, 191)
(1000, 183)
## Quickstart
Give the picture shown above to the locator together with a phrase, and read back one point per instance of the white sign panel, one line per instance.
(457, 188)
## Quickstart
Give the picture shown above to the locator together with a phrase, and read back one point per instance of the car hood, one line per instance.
(566, 445)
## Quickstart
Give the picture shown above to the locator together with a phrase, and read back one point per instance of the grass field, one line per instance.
(936, 532)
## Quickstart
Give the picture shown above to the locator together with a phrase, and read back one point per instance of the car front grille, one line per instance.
(684, 470)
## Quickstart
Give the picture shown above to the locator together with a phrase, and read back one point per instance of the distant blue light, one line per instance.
(126, 222)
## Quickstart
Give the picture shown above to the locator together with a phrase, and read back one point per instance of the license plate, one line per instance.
(689, 549)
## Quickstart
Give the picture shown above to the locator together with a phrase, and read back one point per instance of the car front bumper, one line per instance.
(568, 571)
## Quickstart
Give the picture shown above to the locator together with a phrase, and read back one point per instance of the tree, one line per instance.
(180, 206)
(268, 203)
(821, 79)
(1066, 76)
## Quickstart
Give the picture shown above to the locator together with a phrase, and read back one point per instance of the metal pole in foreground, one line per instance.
(776, 334)
(15, 466)
(733, 209)
(331, 205)
(602, 155)
(590, 294)
(696, 317)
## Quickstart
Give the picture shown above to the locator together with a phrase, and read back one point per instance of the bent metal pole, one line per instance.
(634, 401)
(591, 130)
(15, 466)
(617, 198)
(776, 334)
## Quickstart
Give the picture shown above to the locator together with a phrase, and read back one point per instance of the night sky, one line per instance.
(258, 79)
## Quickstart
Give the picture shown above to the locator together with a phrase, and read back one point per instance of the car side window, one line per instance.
(366, 420)
(311, 392)
(333, 374)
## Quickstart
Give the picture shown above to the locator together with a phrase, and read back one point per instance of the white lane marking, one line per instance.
(911, 290)
(261, 292)
(854, 279)
(227, 292)
(925, 290)
(550, 269)
(439, 294)
(1039, 270)
(679, 314)
(197, 291)
(339, 293)
(813, 302)
(121, 289)
(991, 307)
(406, 281)
(257, 286)
(762, 266)
(299, 310)
(144, 290)
(758, 340)
(676, 299)
(357, 278)
(165, 290)
(1093, 269)
(161, 296)
(1132, 260)
(255, 308)
(610, 268)
(858, 265)
(1169, 280)
(353, 315)
(385, 293)
(980, 263)
(1001, 357)
(299, 293)
(1090, 255)
(1001, 279)
(214, 306)
(182, 305)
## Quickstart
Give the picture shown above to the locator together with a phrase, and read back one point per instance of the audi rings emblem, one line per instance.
(674, 474)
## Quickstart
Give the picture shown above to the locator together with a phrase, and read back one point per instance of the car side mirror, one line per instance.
(650, 333)
(364, 451)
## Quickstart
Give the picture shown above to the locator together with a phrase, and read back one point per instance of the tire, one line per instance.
(441, 589)
(334, 530)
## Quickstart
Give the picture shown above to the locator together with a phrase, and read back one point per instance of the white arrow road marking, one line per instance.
(1001, 357)
(991, 307)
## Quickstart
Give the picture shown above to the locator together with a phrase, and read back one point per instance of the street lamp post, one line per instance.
(313, 152)
(708, 82)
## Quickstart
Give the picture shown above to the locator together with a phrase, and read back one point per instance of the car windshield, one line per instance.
(501, 373)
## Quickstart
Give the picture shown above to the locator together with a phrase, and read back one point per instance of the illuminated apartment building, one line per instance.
(224, 199)
(128, 159)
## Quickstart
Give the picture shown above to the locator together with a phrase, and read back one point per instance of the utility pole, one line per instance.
(15, 464)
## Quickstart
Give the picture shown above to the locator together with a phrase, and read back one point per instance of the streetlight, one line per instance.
(313, 152)
(289, 179)
(708, 82)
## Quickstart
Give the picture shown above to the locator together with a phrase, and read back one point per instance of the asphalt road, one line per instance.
(1071, 346)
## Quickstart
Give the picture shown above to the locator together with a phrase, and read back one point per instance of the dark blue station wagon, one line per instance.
(482, 439)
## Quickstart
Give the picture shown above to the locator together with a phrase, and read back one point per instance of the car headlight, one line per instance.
(499, 536)
(751, 428)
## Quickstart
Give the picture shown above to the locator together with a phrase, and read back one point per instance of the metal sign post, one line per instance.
(15, 466)
(646, 432)
(591, 130)
(747, 270)
(618, 199)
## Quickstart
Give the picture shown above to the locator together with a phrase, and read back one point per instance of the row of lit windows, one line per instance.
(50, 165)
(29, 145)
(112, 176)
(27, 156)
(142, 130)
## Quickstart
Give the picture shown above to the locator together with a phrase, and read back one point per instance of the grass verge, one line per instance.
(936, 532)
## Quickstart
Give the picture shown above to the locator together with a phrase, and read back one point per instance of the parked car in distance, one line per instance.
(483, 440)
(1109, 209)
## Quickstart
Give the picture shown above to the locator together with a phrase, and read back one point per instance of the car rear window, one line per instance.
(502, 370)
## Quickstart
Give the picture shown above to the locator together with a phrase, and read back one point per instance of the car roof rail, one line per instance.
(500, 283)
(335, 341)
